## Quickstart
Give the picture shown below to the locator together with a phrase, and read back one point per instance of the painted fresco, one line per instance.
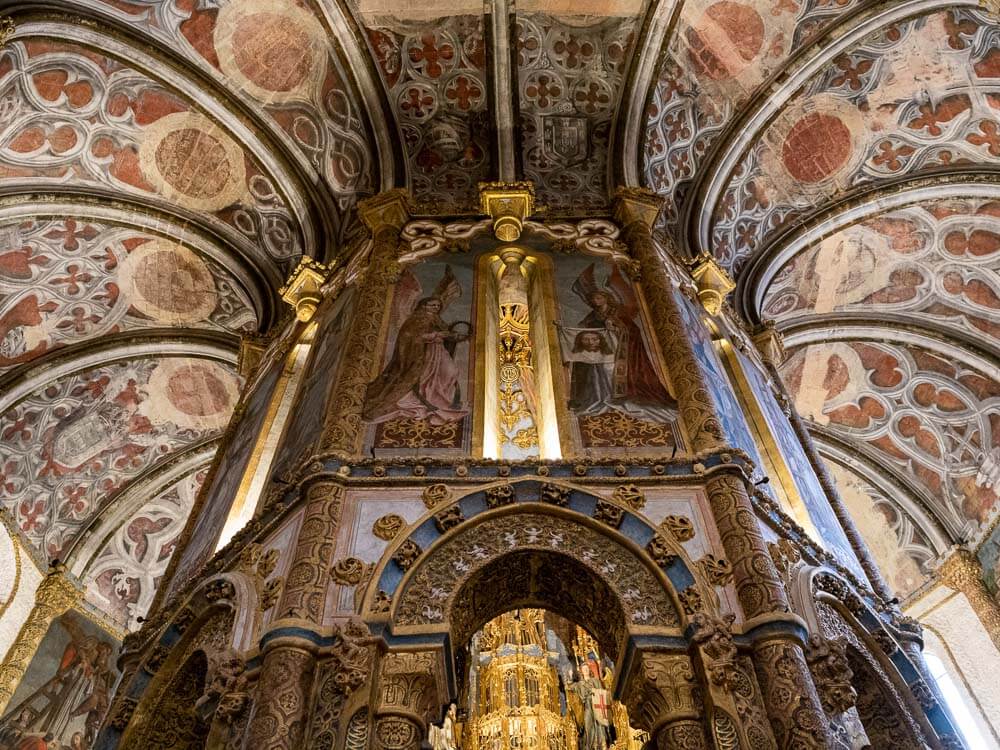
(279, 55)
(720, 53)
(435, 74)
(220, 496)
(121, 580)
(616, 392)
(66, 691)
(68, 280)
(570, 75)
(939, 262)
(67, 449)
(806, 483)
(900, 548)
(423, 395)
(312, 404)
(989, 559)
(76, 117)
(934, 421)
(912, 96)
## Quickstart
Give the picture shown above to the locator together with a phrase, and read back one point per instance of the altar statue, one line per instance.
(443, 737)
(596, 707)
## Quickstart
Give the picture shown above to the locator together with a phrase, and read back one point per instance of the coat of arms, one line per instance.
(565, 138)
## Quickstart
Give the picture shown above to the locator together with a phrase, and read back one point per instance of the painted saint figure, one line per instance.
(609, 365)
(421, 380)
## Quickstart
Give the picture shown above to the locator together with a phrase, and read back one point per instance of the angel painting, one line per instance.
(608, 363)
(421, 380)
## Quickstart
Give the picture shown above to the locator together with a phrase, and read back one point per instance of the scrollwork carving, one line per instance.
(348, 571)
(500, 495)
(660, 550)
(832, 674)
(679, 527)
(388, 526)
(435, 494)
(630, 496)
(407, 554)
(449, 518)
(554, 494)
(608, 513)
(717, 569)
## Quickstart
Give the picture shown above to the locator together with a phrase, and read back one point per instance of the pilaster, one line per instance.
(384, 215)
(962, 572)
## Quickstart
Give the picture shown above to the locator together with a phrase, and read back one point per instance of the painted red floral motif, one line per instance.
(431, 55)
(464, 92)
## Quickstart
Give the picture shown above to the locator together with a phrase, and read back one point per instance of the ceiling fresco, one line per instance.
(932, 420)
(916, 95)
(66, 281)
(68, 448)
(937, 262)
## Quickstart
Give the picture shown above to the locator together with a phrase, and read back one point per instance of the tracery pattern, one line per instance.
(936, 262)
(436, 77)
(73, 116)
(64, 281)
(570, 77)
(280, 56)
(122, 579)
(935, 421)
(66, 450)
(720, 53)
(912, 96)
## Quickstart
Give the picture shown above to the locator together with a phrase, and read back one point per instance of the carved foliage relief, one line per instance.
(911, 96)
(720, 53)
(939, 261)
(72, 115)
(64, 281)
(431, 593)
(933, 420)
(68, 448)
(121, 580)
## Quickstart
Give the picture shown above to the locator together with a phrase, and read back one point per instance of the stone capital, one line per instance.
(637, 205)
(389, 209)
(713, 282)
(303, 289)
(769, 343)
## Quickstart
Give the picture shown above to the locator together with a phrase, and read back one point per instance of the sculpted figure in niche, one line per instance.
(596, 704)
(421, 380)
(610, 368)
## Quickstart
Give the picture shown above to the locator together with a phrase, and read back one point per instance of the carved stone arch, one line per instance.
(642, 574)
(171, 722)
(836, 611)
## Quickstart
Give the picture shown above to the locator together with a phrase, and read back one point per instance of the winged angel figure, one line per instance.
(421, 379)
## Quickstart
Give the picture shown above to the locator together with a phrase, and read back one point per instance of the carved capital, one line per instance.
(663, 690)
(508, 204)
(832, 674)
(635, 205)
(302, 290)
(388, 210)
(713, 283)
(769, 343)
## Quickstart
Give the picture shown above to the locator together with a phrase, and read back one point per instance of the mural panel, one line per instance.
(220, 496)
(122, 580)
(423, 395)
(618, 395)
(69, 280)
(313, 401)
(67, 449)
(64, 695)
(75, 116)
(939, 262)
(915, 95)
(933, 421)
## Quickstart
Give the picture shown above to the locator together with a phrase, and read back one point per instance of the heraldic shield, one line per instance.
(565, 138)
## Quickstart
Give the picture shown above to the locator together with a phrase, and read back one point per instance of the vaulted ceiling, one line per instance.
(164, 162)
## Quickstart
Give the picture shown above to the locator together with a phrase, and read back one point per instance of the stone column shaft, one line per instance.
(280, 708)
(683, 734)
(385, 215)
(792, 703)
(55, 595)
(963, 573)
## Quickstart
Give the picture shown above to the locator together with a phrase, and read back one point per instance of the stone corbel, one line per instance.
(713, 283)
(769, 343)
(508, 204)
(302, 290)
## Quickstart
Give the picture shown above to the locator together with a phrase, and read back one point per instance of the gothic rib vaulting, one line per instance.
(536, 375)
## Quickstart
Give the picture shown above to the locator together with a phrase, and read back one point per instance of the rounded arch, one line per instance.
(474, 557)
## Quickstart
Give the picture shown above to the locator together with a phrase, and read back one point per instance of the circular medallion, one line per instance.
(816, 147)
(725, 40)
(189, 159)
(275, 51)
(194, 393)
(168, 282)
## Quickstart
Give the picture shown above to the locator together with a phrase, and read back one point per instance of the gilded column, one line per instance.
(769, 345)
(55, 595)
(790, 696)
(962, 572)
(384, 214)
(280, 710)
